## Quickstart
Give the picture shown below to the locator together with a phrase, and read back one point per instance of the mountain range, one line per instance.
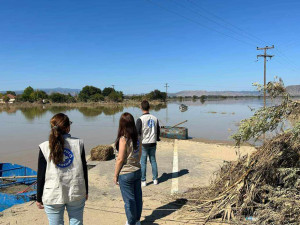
(53, 90)
(294, 90)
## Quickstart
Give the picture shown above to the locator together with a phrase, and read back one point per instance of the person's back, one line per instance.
(149, 129)
(128, 168)
(149, 132)
(62, 180)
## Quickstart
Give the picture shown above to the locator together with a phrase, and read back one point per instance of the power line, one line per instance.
(196, 22)
(250, 36)
(226, 22)
(214, 21)
(281, 54)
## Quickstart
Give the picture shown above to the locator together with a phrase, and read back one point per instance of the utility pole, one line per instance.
(166, 86)
(265, 67)
(113, 86)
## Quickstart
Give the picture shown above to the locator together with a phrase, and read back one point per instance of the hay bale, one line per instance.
(102, 153)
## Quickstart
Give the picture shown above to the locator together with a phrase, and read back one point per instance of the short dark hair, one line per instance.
(145, 105)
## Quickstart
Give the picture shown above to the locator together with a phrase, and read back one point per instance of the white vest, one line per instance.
(149, 129)
(64, 182)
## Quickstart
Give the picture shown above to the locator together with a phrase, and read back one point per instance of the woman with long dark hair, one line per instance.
(62, 180)
(128, 168)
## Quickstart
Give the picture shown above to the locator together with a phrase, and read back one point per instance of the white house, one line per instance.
(11, 97)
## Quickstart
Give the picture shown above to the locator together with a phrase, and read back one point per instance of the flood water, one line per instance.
(22, 130)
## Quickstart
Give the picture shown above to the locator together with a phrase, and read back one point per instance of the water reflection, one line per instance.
(58, 109)
(8, 110)
(30, 113)
(158, 107)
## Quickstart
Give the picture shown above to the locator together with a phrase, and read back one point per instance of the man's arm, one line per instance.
(139, 127)
(158, 131)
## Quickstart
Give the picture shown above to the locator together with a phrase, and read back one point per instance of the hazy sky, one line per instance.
(139, 45)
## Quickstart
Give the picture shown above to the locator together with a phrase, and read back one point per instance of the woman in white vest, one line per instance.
(62, 180)
(128, 168)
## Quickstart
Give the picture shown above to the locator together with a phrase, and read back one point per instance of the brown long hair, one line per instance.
(127, 129)
(60, 125)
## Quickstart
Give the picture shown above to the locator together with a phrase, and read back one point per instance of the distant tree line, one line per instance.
(153, 95)
(87, 94)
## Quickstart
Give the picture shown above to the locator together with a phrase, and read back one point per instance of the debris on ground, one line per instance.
(264, 186)
(102, 153)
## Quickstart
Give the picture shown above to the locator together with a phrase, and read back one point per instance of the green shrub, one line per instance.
(97, 98)
(116, 96)
(58, 97)
(88, 91)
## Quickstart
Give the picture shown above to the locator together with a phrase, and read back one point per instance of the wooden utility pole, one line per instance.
(166, 86)
(265, 67)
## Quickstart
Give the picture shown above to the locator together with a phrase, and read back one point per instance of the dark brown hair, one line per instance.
(145, 105)
(127, 129)
(60, 125)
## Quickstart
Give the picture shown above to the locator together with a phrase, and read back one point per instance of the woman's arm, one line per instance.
(41, 173)
(120, 159)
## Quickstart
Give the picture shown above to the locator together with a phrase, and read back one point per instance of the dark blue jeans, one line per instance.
(149, 151)
(130, 185)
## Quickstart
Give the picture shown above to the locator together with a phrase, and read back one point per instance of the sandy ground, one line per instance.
(197, 161)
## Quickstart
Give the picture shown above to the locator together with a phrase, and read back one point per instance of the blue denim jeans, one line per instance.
(130, 185)
(55, 213)
(149, 151)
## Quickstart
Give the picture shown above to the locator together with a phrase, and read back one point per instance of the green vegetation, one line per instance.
(6, 98)
(153, 95)
(96, 98)
(11, 92)
(116, 96)
(157, 95)
(27, 95)
(38, 95)
(106, 91)
(87, 94)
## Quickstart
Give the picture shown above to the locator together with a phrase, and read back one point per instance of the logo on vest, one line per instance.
(151, 123)
(68, 158)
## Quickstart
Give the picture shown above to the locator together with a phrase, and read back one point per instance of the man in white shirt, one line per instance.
(148, 129)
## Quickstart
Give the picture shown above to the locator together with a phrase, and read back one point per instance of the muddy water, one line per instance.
(22, 130)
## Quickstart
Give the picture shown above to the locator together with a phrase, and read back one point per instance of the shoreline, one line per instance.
(125, 103)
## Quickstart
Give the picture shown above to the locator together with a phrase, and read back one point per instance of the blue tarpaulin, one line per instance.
(9, 170)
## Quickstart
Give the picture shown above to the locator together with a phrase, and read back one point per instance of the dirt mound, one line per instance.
(264, 186)
(102, 153)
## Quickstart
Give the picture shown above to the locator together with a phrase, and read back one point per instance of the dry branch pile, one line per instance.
(102, 153)
(265, 185)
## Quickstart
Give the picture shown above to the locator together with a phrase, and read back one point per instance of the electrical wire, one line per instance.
(213, 21)
(198, 23)
(226, 22)
(244, 33)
